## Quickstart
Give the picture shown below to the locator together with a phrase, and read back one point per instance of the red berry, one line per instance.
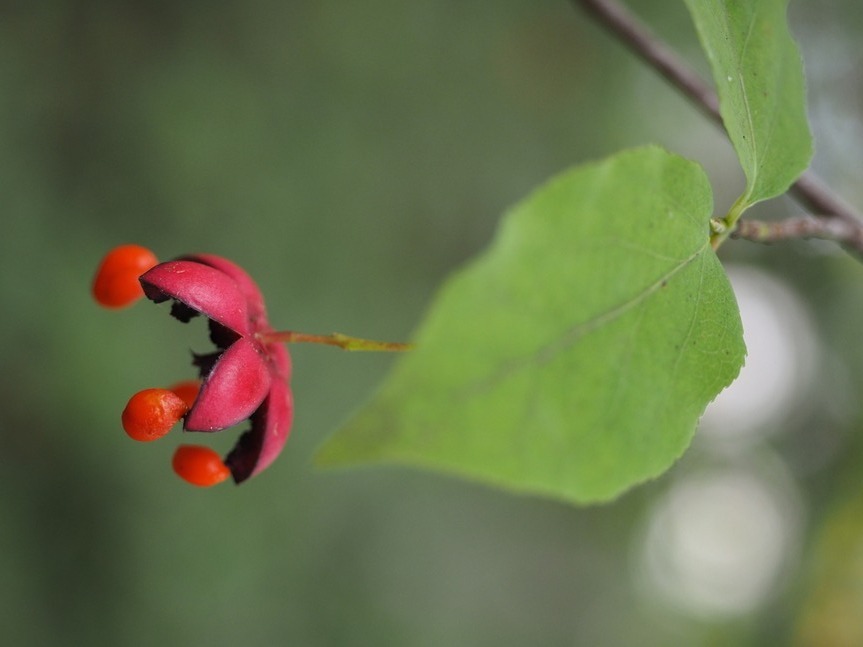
(151, 413)
(116, 283)
(199, 465)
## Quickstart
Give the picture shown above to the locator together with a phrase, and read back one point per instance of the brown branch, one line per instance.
(809, 190)
(648, 46)
(840, 231)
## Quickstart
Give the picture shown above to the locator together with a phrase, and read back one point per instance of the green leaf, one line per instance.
(575, 356)
(759, 79)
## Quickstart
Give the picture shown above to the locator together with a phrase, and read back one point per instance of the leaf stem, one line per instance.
(809, 189)
(344, 342)
(728, 223)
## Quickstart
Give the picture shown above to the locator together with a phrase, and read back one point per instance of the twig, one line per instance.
(797, 227)
(809, 190)
(645, 44)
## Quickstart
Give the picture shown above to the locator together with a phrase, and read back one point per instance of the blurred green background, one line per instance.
(350, 156)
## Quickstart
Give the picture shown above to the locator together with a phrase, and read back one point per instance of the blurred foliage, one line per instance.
(349, 155)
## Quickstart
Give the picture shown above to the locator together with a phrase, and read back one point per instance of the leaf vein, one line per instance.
(549, 351)
(579, 330)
